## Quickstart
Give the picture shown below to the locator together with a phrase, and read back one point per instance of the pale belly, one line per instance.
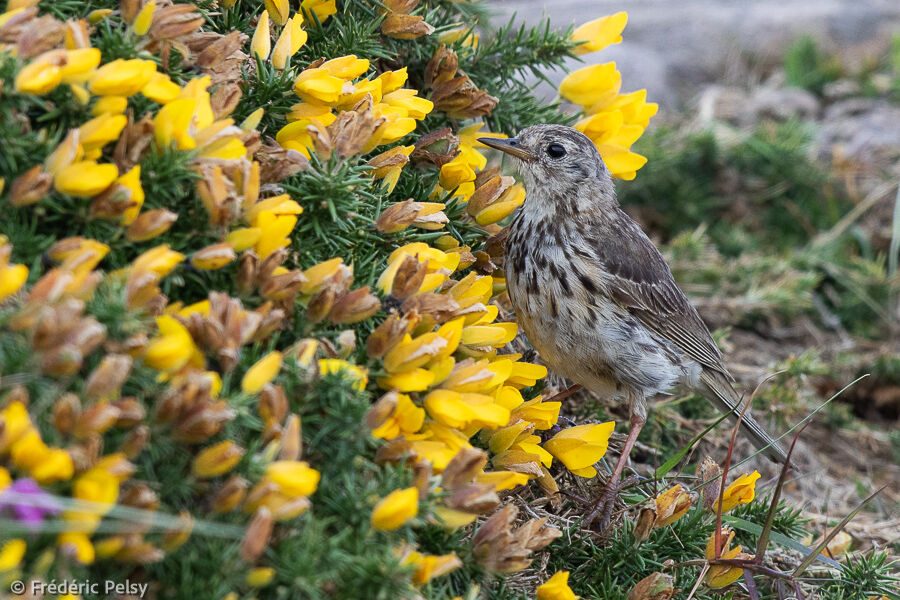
(593, 341)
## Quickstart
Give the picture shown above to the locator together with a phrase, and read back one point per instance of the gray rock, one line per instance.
(782, 104)
(841, 89)
(862, 130)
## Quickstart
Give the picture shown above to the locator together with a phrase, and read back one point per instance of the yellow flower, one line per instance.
(5, 479)
(318, 85)
(95, 16)
(39, 77)
(114, 105)
(101, 130)
(172, 124)
(217, 459)
(590, 84)
(393, 80)
(85, 179)
(318, 10)
(351, 371)
(161, 89)
(241, 239)
(261, 373)
(429, 566)
(172, 349)
(14, 423)
(502, 480)
(11, 554)
(214, 256)
(12, 278)
(56, 465)
(464, 410)
(144, 18)
(298, 34)
(260, 576)
(415, 106)
(261, 44)
(556, 588)
(720, 576)
(671, 505)
(294, 478)
(99, 486)
(395, 509)
(741, 491)
(599, 33)
(458, 173)
(79, 545)
(278, 10)
(160, 260)
(282, 51)
(122, 77)
(79, 64)
(406, 418)
(580, 447)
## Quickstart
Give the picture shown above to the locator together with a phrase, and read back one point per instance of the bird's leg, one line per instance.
(603, 505)
(565, 393)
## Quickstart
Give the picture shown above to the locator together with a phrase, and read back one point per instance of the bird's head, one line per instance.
(558, 159)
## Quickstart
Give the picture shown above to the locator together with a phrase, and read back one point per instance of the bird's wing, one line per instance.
(642, 283)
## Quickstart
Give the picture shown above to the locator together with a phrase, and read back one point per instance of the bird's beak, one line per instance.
(511, 146)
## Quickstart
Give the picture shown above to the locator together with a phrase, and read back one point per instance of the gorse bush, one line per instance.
(253, 333)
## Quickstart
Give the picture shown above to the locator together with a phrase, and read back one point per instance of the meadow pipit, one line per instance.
(594, 295)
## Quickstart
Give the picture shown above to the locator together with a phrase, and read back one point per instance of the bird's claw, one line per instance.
(601, 511)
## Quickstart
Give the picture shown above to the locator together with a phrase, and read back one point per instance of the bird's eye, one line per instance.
(556, 151)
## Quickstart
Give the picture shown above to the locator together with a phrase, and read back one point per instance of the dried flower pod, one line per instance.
(400, 6)
(422, 472)
(409, 278)
(387, 160)
(176, 536)
(644, 523)
(150, 224)
(398, 216)
(62, 361)
(379, 412)
(476, 498)
(388, 334)
(214, 256)
(273, 403)
(656, 586)
(442, 67)
(137, 550)
(257, 535)
(65, 413)
(107, 379)
(502, 549)
(488, 192)
(461, 99)
(230, 495)
(225, 99)
(30, 186)
(710, 475)
(136, 441)
(140, 496)
(203, 422)
(40, 35)
(223, 46)
(463, 468)
(320, 305)
(175, 21)
(437, 147)
(129, 9)
(291, 439)
(280, 287)
(437, 307)
(354, 306)
(351, 130)
(405, 27)
(277, 163)
(95, 419)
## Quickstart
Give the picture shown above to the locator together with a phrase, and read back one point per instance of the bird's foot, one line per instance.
(602, 509)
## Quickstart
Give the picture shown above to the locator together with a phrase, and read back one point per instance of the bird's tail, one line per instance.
(722, 394)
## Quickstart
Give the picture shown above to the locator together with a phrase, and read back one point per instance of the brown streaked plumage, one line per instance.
(595, 296)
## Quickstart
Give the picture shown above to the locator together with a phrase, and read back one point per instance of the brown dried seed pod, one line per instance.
(257, 535)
